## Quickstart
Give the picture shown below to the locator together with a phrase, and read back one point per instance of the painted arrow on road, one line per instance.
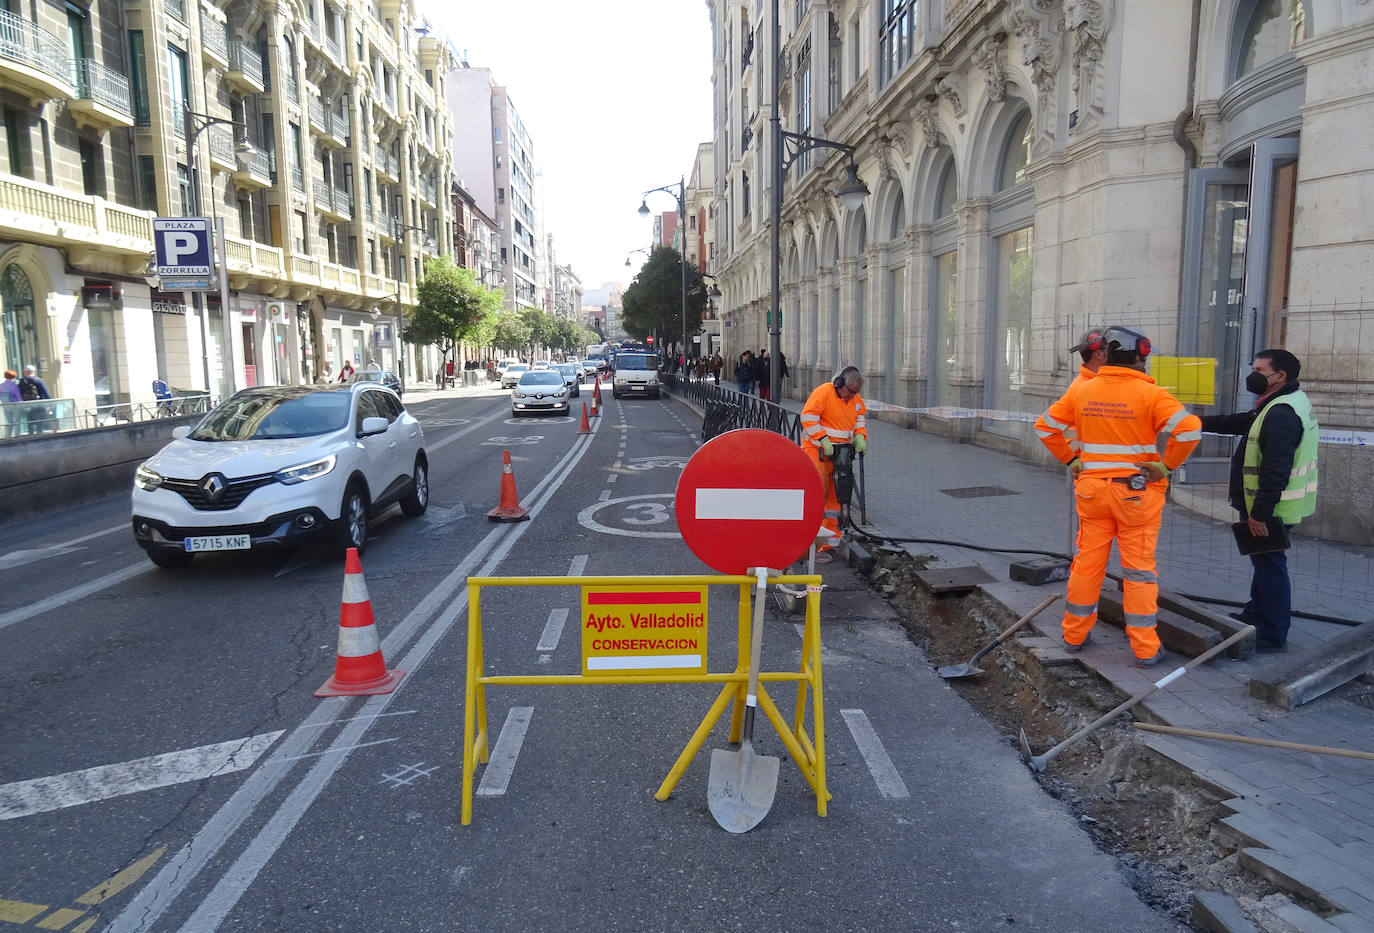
(58, 791)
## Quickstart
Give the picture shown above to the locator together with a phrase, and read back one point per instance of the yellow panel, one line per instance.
(59, 919)
(19, 912)
(643, 630)
(1191, 379)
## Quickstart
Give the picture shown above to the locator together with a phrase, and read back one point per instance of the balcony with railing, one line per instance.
(257, 172)
(33, 61)
(339, 129)
(343, 203)
(177, 8)
(297, 178)
(245, 69)
(214, 40)
(101, 101)
(429, 191)
(313, 33)
(288, 85)
(38, 213)
(386, 166)
(319, 119)
(222, 149)
(333, 49)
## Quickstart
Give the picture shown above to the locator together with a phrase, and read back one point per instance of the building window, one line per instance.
(17, 143)
(179, 85)
(854, 63)
(18, 321)
(1273, 29)
(1011, 356)
(944, 328)
(429, 76)
(803, 97)
(896, 26)
(302, 244)
(147, 183)
(184, 190)
(1017, 154)
(92, 174)
(836, 92)
(496, 134)
(138, 77)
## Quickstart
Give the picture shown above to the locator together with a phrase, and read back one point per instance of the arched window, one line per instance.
(898, 220)
(1016, 154)
(1272, 29)
(945, 196)
(18, 322)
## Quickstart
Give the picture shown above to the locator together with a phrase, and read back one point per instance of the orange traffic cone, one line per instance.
(586, 427)
(596, 395)
(359, 667)
(509, 508)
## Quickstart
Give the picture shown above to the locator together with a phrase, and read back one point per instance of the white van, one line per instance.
(635, 374)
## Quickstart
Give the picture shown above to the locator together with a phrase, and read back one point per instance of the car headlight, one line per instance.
(519, 394)
(306, 471)
(619, 381)
(652, 382)
(145, 478)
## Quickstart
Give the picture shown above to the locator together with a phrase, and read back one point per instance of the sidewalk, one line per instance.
(1303, 821)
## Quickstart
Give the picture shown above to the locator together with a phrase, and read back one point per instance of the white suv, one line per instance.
(274, 467)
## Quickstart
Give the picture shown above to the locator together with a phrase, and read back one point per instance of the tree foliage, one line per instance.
(653, 302)
(450, 306)
(509, 332)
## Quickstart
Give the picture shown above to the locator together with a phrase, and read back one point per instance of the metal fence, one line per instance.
(54, 415)
(726, 409)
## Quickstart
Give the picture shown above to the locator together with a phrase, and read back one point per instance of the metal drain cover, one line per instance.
(979, 492)
(952, 581)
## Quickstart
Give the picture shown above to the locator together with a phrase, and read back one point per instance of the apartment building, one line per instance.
(316, 134)
(476, 238)
(567, 293)
(1035, 167)
(493, 151)
(701, 236)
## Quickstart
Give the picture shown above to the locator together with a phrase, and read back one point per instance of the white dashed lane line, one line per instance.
(880, 765)
(553, 630)
(605, 494)
(496, 777)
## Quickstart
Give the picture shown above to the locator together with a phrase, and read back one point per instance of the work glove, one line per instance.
(827, 448)
(860, 444)
(1076, 466)
(1153, 469)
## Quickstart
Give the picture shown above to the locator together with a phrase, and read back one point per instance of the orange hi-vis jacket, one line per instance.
(825, 415)
(1118, 416)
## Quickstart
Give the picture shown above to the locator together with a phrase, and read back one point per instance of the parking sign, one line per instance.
(183, 250)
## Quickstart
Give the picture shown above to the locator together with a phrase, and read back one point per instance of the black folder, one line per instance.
(1249, 544)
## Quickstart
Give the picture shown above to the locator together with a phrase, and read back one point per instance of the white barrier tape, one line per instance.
(358, 642)
(813, 588)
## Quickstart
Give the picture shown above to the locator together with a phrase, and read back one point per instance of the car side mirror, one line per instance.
(180, 431)
(373, 425)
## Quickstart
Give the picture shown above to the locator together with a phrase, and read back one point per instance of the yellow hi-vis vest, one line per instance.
(1299, 499)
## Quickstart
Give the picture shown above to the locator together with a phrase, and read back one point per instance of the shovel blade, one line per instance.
(959, 670)
(740, 787)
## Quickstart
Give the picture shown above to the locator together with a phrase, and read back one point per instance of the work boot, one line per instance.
(1072, 648)
(1152, 660)
(1270, 646)
(825, 557)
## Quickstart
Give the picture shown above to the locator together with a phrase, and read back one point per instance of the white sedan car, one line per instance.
(540, 390)
(276, 466)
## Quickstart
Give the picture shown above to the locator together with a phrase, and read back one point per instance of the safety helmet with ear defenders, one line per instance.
(839, 380)
(1127, 338)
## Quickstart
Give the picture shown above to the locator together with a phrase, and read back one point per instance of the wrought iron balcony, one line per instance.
(333, 49)
(319, 120)
(429, 191)
(33, 61)
(297, 178)
(260, 173)
(102, 96)
(177, 8)
(339, 127)
(245, 68)
(214, 39)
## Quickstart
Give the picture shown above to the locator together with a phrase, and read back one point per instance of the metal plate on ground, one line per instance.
(979, 492)
(952, 581)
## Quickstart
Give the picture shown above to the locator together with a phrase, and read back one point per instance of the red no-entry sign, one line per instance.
(749, 498)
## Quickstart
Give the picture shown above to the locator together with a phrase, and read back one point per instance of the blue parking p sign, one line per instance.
(182, 247)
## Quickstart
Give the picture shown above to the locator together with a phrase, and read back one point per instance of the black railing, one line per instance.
(726, 409)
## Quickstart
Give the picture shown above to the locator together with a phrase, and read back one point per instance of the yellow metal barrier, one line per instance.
(806, 751)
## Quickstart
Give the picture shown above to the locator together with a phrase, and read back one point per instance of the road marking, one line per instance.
(441, 444)
(20, 911)
(28, 556)
(578, 566)
(653, 514)
(496, 777)
(185, 866)
(331, 750)
(884, 772)
(58, 791)
(553, 630)
(605, 495)
(407, 775)
(121, 879)
(611, 479)
(73, 594)
(330, 722)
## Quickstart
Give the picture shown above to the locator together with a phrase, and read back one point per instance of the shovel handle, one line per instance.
(756, 635)
(1045, 604)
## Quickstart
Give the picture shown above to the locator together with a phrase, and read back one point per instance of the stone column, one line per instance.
(845, 350)
(825, 353)
(977, 316)
(912, 376)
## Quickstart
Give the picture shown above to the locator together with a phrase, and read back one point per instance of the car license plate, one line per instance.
(219, 543)
(637, 388)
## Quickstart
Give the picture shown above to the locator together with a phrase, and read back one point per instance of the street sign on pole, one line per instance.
(749, 498)
(184, 252)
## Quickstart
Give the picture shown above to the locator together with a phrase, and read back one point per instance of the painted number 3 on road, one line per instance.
(637, 512)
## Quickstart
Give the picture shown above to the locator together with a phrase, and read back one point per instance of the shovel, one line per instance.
(971, 668)
(741, 784)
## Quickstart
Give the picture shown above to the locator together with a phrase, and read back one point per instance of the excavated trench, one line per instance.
(1158, 823)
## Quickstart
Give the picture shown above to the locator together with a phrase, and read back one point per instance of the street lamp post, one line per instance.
(787, 148)
(681, 195)
(197, 123)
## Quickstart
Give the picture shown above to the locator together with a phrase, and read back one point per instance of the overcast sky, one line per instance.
(616, 96)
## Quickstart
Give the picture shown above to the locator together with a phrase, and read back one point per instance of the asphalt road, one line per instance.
(278, 811)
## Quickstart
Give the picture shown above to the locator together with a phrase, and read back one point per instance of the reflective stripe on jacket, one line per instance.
(1118, 415)
(1299, 499)
(825, 415)
(1060, 438)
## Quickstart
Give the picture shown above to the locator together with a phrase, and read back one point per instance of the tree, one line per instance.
(653, 302)
(541, 326)
(509, 332)
(450, 306)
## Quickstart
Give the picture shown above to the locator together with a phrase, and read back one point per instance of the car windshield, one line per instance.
(567, 369)
(277, 413)
(518, 368)
(370, 375)
(542, 377)
(634, 361)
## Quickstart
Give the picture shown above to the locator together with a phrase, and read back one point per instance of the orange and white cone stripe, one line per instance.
(359, 667)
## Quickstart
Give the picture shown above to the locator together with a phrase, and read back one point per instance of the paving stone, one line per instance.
(1217, 913)
(1257, 831)
(1303, 920)
(1356, 904)
(1352, 923)
(1293, 875)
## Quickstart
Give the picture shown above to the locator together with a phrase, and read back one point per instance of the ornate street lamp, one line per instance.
(681, 195)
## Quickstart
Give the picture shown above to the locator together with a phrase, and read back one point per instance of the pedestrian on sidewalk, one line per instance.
(1120, 484)
(1273, 475)
(326, 373)
(834, 414)
(9, 394)
(717, 364)
(744, 372)
(763, 373)
(32, 388)
(346, 371)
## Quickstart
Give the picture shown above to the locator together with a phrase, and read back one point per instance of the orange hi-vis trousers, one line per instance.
(829, 534)
(1110, 511)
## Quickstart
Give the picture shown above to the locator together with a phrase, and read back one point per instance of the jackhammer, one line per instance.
(842, 459)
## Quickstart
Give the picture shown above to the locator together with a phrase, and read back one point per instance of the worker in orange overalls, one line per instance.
(1093, 353)
(1121, 479)
(834, 414)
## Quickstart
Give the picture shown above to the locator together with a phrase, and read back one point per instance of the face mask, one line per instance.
(1256, 383)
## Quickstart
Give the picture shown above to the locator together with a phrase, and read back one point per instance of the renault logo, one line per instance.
(213, 487)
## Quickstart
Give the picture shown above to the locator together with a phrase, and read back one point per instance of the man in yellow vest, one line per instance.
(1273, 475)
